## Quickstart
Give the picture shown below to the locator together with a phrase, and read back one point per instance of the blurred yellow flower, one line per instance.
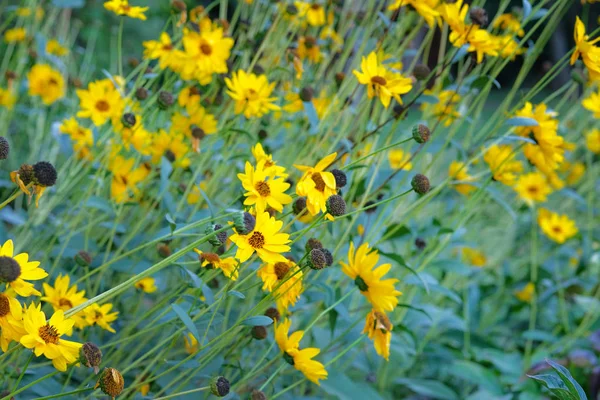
(317, 184)
(510, 23)
(474, 257)
(592, 141)
(592, 103)
(163, 51)
(125, 178)
(100, 102)
(146, 285)
(229, 266)
(172, 146)
(379, 328)
(309, 49)
(284, 279)
(251, 94)
(54, 47)
(526, 293)
(533, 188)
(399, 159)
(190, 343)
(459, 171)
(425, 8)
(122, 7)
(557, 227)
(15, 35)
(7, 98)
(46, 82)
(502, 163)
(101, 316)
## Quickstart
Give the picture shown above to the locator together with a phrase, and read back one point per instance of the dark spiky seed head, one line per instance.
(313, 243)
(421, 133)
(44, 173)
(165, 100)
(291, 9)
(141, 93)
(299, 205)
(479, 16)
(10, 269)
(421, 72)
(273, 313)
(262, 134)
(244, 222)
(420, 243)
(128, 120)
(336, 205)
(90, 355)
(306, 94)
(218, 239)
(317, 259)
(259, 332)
(9, 75)
(83, 258)
(26, 174)
(339, 78)
(111, 382)
(198, 133)
(328, 257)
(178, 6)
(340, 178)
(257, 395)
(219, 386)
(164, 250)
(4, 148)
(420, 184)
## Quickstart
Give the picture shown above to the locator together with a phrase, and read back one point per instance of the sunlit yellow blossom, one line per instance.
(474, 256)
(379, 328)
(122, 7)
(45, 337)
(54, 47)
(589, 53)
(62, 297)
(101, 316)
(508, 47)
(263, 189)
(26, 12)
(501, 160)
(317, 184)
(381, 293)
(135, 136)
(46, 82)
(380, 81)
(459, 171)
(189, 97)
(22, 270)
(313, 13)
(301, 359)
(269, 166)
(251, 94)
(557, 227)
(533, 187)
(15, 35)
(100, 102)
(309, 49)
(228, 265)
(510, 23)
(284, 279)
(11, 319)
(146, 285)
(265, 240)
(126, 177)
(7, 98)
(172, 146)
(526, 293)
(425, 8)
(592, 141)
(399, 159)
(592, 103)
(163, 51)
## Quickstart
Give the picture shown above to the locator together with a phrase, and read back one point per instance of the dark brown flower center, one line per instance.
(533, 189)
(319, 182)
(378, 80)
(263, 188)
(210, 257)
(556, 229)
(257, 240)
(102, 106)
(281, 269)
(206, 49)
(4, 306)
(49, 334)
(65, 302)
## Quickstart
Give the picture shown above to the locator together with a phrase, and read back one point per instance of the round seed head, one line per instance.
(111, 382)
(299, 205)
(44, 173)
(257, 395)
(328, 257)
(339, 78)
(141, 93)
(4, 148)
(218, 239)
(259, 332)
(420, 184)
(313, 243)
(219, 386)
(340, 178)
(291, 9)
(26, 174)
(178, 6)
(90, 356)
(10, 269)
(273, 313)
(244, 222)
(421, 72)
(421, 133)
(165, 100)
(306, 94)
(83, 258)
(420, 243)
(262, 134)
(479, 16)
(198, 133)
(336, 205)
(164, 250)
(317, 259)
(128, 120)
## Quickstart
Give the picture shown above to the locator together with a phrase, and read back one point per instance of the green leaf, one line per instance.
(257, 320)
(521, 121)
(477, 375)
(416, 309)
(187, 321)
(171, 221)
(236, 294)
(555, 385)
(574, 387)
(396, 231)
(400, 260)
(428, 388)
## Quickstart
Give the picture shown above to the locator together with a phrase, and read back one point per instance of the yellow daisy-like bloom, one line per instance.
(585, 48)
(262, 189)
(269, 165)
(502, 163)
(189, 97)
(379, 328)
(592, 141)
(251, 94)
(361, 268)
(122, 7)
(17, 270)
(190, 343)
(101, 316)
(11, 319)
(573, 171)
(592, 103)
(459, 171)
(62, 297)
(309, 49)
(228, 265)
(163, 51)
(399, 159)
(510, 23)
(317, 184)
(171, 145)
(557, 227)
(425, 8)
(446, 108)
(7, 99)
(533, 187)
(265, 240)
(474, 257)
(526, 294)
(313, 13)
(54, 47)
(197, 123)
(146, 285)
(206, 52)
(302, 360)
(82, 138)
(508, 47)
(284, 279)
(126, 177)
(135, 136)
(100, 102)
(45, 337)
(382, 82)
(46, 82)
(15, 35)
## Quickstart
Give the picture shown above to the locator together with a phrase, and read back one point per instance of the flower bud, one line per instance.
(313, 243)
(291, 9)
(299, 205)
(421, 133)
(198, 133)
(128, 120)
(90, 356)
(141, 93)
(164, 250)
(257, 395)
(83, 258)
(420, 243)
(328, 257)
(262, 134)
(178, 6)
(273, 313)
(244, 222)
(111, 382)
(420, 184)
(479, 16)
(219, 386)
(339, 78)
(218, 239)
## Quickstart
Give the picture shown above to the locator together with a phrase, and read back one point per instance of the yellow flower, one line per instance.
(446, 107)
(308, 48)
(265, 240)
(171, 145)
(46, 83)
(474, 256)
(557, 227)
(45, 337)
(589, 53)
(15, 35)
(122, 7)
(146, 285)
(251, 94)
(163, 51)
(229, 266)
(592, 103)
(314, 13)
(82, 137)
(533, 187)
(206, 52)
(26, 12)
(574, 172)
(592, 141)
(100, 102)
(425, 8)
(17, 270)
(379, 328)
(399, 159)
(360, 229)
(54, 47)
(7, 98)
(125, 179)
(382, 294)
(195, 195)
(269, 166)
(508, 47)
(380, 81)
(284, 279)
(502, 163)
(101, 316)
(317, 184)
(526, 294)
(510, 23)
(302, 360)
(196, 123)
(459, 171)
(262, 189)
(189, 97)
(11, 319)
(190, 343)
(62, 297)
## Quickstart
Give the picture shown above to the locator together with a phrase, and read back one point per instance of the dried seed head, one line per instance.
(328, 257)
(9, 75)
(340, 178)
(259, 332)
(141, 93)
(90, 356)
(313, 243)
(479, 16)
(421, 72)
(420, 184)
(111, 382)
(10, 269)
(26, 174)
(336, 205)
(198, 133)
(44, 173)
(178, 6)
(420, 243)
(83, 258)
(339, 78)
(257, 395)
(421, 133)
(218, 239)
(219, 386)
(299, 205)
(317, 259)
(128, 120)
(164, 250)
(4, 148)
(306, 94)
(281, 269)
(244, 222)
(273, 313)
(165, 100)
